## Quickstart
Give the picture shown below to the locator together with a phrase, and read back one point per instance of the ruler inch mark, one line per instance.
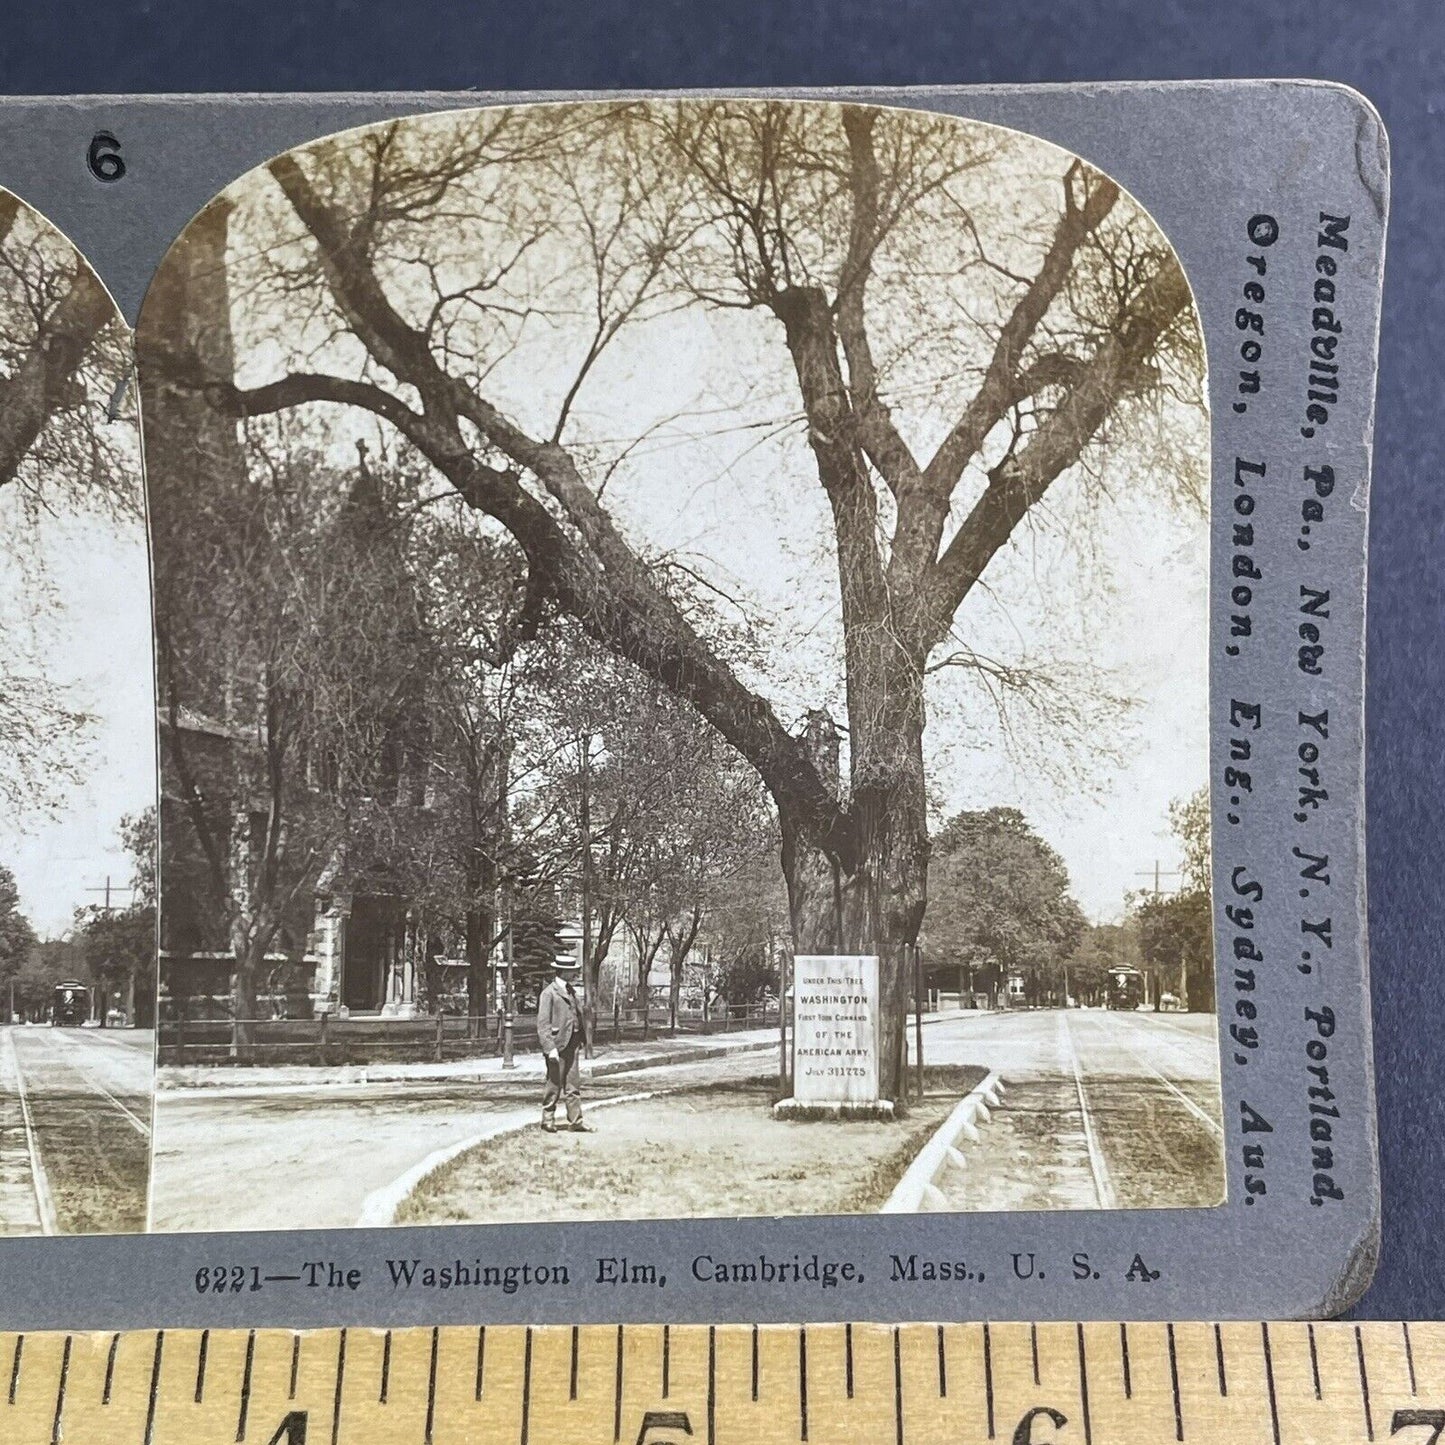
(55, 1432)
(481, 1360)
(295, 1364)
(988, 1376)
(572, 1371)
(1219, 1363)
(942, 1367)
(848, 1358)
(385, 1389)
(755, 1360)
(15, 1366)
(431, 1386)
(803, 1381)
(245, 1411)
(1409, 1353)
(1084, 1388)
(150, 1430)
(1364, 1384)
(712, 1381)
(1034, 1347)
(201, 1366)
(1269, 1378)
(340, 1378)
(897, 1387)
(617, 1390)
(666, 1361)
(109, 1368)
(1173, 1382)
(1315, 1363)
(526, 1386)
(1124, 1360)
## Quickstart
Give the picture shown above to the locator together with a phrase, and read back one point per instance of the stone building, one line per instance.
(352, 943)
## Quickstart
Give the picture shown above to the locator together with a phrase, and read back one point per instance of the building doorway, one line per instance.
(375, 937)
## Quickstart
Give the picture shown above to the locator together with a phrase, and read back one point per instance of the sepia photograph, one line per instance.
(77, 750)
(682, 678)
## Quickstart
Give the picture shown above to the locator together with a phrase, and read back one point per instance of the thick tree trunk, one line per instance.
(876, 909)
(872, 901)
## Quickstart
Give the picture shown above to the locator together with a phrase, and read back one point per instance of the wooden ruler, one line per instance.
(860, 1384)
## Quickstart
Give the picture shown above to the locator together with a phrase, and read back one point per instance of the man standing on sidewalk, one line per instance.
(560, 1034)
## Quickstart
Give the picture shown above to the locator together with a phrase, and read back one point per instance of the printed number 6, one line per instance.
(104, 157)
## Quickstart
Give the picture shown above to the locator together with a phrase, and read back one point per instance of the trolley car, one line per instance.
(1125, 988)
(70, 1004)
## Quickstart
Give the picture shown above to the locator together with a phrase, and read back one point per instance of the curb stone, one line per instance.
(918, 1191)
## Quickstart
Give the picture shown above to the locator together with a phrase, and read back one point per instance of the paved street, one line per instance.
(1103, 1110)
(325, 1151)
(1112, 1107)
(74, 1129)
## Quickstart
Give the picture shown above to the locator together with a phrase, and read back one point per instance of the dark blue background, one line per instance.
(1395, 54)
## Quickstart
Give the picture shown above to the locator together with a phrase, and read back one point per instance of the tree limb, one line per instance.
(605, 585)
(923, 511)
(40, 384)
(880, 438)
(1022, 478)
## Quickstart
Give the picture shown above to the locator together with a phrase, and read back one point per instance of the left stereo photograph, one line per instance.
(77, 750)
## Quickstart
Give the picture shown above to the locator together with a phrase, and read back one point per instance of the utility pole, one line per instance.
(1157, 873)
(99, 992)
(1158, 892)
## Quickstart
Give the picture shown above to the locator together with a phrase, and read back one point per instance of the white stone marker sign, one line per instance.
(835, 1029)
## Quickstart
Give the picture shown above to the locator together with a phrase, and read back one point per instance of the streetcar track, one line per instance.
(140, 1126)
(1213, 1125)
(1207, 1041)
(1098, 1166)
(39, 1181)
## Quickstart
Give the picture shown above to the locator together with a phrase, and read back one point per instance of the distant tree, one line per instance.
(49, 961)
(1101, 947)
(1176, 940)
(118, 950)
(1176, 931)
(118, 945)
(747, 938)
(17, 937)
(746, 976)
(1000, 900)
(1189, 820)
(293, 665)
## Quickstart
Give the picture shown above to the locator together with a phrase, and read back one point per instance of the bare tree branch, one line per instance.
(1020, 481)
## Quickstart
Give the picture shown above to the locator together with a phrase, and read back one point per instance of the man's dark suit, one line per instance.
(559, 1029)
